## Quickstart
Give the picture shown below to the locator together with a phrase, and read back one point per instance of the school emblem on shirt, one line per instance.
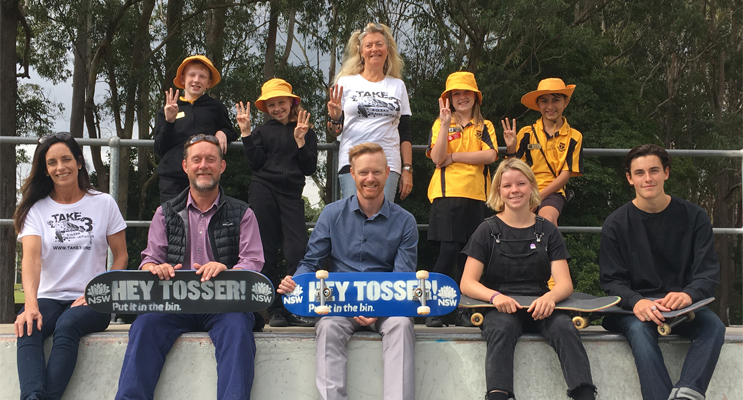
(561, 147)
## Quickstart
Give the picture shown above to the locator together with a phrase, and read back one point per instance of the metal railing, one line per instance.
(115, 144)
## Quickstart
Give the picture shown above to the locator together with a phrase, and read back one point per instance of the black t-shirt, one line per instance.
(481, 243)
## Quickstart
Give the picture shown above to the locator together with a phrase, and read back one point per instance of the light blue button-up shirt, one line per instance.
(351, 242)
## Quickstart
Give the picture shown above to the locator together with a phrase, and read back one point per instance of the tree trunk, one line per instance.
(289, 40)
(273, 26)
(81, 50)
(215, 40)
(174, 52)
(9, 17)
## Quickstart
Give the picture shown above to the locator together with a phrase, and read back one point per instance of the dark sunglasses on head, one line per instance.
(58, 135)
(202, 137)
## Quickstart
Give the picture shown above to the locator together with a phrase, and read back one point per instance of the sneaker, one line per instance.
(434, 322)
(277, 320)
(463, 318)
(296, 320)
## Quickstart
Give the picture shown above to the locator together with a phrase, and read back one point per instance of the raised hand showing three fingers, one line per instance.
(243, 118)
(171, 105)
(509, 132)
(303, 125)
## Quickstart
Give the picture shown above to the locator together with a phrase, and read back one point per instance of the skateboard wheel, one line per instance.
(580, 322)
(690, 316)
(322, 310)
(418, 292)
(321, 274)
(664, 330)
(476, 319)
(424, 310)
(421, 275)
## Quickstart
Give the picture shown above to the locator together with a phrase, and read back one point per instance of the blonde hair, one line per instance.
(365, 148)
(353, 63)
(477, 118)
(494, 198)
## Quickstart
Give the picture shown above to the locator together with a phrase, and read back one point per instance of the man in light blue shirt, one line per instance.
(363, 233)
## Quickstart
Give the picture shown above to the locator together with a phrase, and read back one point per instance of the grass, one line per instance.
(20, 298)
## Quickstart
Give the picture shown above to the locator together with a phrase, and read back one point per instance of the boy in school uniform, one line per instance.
(550, 146)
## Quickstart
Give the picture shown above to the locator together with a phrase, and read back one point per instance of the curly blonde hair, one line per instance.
(495, 201)
(353, 63)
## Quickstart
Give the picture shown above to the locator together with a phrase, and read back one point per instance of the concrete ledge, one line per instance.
(449, 365)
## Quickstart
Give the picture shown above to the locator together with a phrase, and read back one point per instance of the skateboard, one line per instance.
(138, 292)
(582, 304)
(673, 318)
(372, 294)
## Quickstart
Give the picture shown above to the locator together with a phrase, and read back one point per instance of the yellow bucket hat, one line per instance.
(461, 80)
(546, 86)
(215, 74)
(275, 88)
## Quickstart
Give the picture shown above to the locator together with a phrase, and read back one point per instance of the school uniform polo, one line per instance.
(563, 151)
(461, 179)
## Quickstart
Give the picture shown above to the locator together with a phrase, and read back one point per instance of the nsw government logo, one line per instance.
(262, 292)
(99, 293)
(295, 297)
(447, 296)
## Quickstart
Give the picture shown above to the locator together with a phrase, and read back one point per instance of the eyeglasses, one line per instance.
(200, 138)
(59, 135)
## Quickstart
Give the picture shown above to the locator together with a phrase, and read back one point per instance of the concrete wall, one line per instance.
(449, 365)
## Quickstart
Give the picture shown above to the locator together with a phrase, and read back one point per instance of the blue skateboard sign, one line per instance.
(372, 294)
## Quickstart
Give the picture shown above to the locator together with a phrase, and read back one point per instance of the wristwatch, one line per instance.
(407, 167)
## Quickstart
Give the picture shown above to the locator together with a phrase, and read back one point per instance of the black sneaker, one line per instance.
(463, 318)
(277, 320)
(434, 322)
(296, 320)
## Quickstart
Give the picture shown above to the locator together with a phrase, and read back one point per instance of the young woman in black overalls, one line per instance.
(514, 253)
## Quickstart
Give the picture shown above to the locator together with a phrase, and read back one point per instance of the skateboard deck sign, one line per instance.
(137, 292)
(371, 294)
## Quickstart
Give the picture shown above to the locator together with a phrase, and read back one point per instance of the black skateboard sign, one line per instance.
(138, 292)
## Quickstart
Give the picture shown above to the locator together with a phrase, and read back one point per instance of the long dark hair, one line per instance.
(38, 185)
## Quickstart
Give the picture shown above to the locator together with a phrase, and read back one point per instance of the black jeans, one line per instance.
(502, 331)
(281, 221)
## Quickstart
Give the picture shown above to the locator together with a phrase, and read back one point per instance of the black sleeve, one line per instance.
(556, 248)
(223, 123)
(705, 268)
(253, 150)
(404, 129)
(614, 274)
(163, 134)
(308, 154)
(480, 244)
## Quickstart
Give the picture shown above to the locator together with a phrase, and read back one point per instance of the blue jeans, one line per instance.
(68, 325)
(151, 337)
(348, 186)
(502, 332)
(707, 334)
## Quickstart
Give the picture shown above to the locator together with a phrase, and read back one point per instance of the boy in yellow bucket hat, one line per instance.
(185, 116)
(461, 143)
(551, 147)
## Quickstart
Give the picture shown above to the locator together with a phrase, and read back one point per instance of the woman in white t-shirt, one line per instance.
(65, 228)
(369, 103)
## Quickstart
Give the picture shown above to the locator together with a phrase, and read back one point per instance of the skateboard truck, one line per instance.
(665, 329)
(420, 292)
(324, 292)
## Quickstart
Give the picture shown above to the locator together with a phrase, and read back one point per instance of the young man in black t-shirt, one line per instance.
(660, 246)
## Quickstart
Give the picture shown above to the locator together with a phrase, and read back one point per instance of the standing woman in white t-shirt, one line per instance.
(369, 103)
(65, 228)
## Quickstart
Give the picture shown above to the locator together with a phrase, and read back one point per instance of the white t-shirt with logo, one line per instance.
(372, 113)
(73, 241)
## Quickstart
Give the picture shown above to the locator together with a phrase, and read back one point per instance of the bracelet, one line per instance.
(493, 296)
(507, 155)
(335, 121)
